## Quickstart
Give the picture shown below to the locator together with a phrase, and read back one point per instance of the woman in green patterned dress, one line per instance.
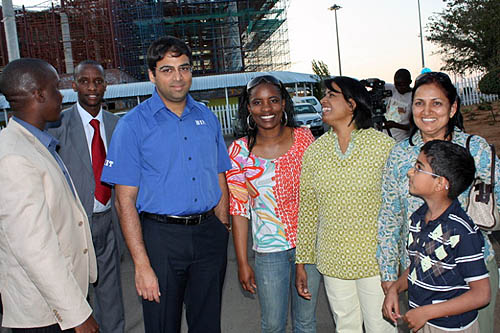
(340, 196)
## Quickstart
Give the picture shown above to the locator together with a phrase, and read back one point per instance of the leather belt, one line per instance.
(174, 219)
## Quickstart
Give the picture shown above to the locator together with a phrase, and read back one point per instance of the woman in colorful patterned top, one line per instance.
(340, 196)
(264, 187)
(436, 115)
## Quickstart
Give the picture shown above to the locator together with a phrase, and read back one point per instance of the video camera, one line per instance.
(378, 93)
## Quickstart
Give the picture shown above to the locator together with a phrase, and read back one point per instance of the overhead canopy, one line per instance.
(200, 83)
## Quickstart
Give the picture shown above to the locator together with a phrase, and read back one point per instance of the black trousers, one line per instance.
(190, 263)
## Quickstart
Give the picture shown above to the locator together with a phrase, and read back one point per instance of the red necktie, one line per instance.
(102, 192)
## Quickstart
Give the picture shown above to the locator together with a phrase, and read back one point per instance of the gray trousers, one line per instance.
(107, 299)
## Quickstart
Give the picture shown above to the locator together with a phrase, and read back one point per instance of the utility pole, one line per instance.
(335, 8)
(9, 22)
(421, 35)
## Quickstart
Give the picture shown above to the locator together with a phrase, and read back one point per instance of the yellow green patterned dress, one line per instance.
(340, 197)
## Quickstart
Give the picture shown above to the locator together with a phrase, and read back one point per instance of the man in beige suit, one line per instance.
(46, 254)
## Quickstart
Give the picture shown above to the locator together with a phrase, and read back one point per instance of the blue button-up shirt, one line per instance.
(49, 142)
(174, 161)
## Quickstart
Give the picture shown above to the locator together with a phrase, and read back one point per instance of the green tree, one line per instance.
(320, 69)
(468, 34)
(490, 83)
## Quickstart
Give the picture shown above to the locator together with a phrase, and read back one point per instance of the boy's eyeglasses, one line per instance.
(266, 78)
(417, 168)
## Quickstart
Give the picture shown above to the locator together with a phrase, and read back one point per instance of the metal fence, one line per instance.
(469, 92)
(226, 115)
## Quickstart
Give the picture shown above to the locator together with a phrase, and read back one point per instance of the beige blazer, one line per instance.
(46, 254)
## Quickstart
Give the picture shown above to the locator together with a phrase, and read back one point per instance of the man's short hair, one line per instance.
(84, 63)
(402, 75)
(162, 46)
(21, 76)
(452, 162)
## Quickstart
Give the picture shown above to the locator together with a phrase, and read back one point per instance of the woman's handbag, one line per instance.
(481, 203)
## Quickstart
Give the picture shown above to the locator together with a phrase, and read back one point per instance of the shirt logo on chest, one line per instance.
(200, 122)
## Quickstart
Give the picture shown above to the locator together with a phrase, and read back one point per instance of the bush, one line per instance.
(490, 83)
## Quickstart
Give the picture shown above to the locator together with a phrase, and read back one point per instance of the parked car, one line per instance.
(308, 99)
(307, 116)
(238, 131)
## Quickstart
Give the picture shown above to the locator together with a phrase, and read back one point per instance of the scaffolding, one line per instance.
(225, 35)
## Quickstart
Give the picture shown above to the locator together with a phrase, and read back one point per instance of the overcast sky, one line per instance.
(376, 37)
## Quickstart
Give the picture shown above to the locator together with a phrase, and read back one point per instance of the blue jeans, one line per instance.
(275, 278)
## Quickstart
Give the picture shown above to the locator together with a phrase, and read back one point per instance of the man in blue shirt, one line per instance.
(167, 160)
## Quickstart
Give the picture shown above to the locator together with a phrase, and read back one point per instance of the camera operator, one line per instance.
(399, 105)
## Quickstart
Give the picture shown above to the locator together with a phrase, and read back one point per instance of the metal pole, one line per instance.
(10, 30)
(335, 8)
(338, 45)
(227, 99)
(421, 34)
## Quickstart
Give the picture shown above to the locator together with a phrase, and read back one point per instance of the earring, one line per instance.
(286, 117)
(446, 187)
(248, 123)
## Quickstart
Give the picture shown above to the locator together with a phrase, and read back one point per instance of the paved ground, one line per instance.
(240, 312)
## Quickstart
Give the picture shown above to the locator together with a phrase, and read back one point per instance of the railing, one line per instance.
(226, 116)
(469, 92)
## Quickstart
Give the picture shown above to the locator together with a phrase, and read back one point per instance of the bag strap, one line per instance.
(493, 158)
(492, 147)
(467, 143)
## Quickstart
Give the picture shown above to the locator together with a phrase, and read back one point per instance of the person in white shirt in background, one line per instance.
(399, 106)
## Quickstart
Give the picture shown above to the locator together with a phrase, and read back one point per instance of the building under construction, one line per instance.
(225, 36)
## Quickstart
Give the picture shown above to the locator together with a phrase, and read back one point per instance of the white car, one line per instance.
(306, 116)
(308, 99)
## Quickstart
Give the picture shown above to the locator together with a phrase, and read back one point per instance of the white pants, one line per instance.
(354, 302)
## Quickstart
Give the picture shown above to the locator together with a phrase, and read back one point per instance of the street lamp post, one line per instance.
(421, 34)
(335, 8)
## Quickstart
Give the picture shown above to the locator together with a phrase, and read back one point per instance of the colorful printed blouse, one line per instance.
(340, 196)
(398, 204)
(268, 192)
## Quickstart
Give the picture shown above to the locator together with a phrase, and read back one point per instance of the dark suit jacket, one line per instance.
(75, 153)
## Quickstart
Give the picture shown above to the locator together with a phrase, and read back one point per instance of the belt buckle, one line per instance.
(193, 220)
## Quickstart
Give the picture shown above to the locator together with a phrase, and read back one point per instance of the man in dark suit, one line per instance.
(84, 133)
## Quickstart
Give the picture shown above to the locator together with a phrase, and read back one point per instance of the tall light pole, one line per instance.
(9, 21)
(421, 34)
(335, 8)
